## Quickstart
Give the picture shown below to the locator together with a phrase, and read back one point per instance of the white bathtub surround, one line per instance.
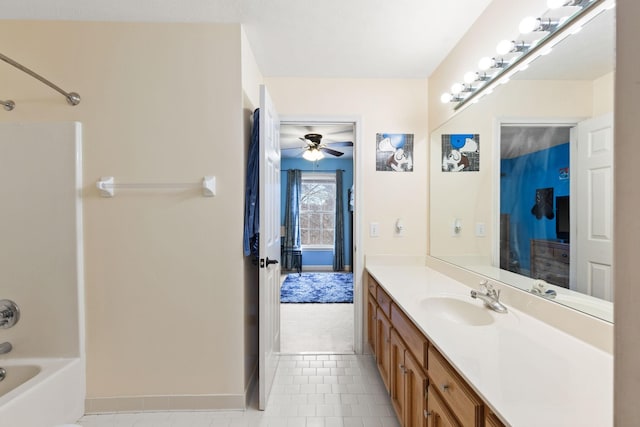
(529, 372)
(52, 396)
(42, 271)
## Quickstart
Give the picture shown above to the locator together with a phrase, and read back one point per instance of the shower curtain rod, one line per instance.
(72, 97)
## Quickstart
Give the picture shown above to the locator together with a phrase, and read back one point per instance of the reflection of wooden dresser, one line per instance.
(550, 262)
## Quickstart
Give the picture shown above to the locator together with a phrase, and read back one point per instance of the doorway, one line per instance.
(320, 324)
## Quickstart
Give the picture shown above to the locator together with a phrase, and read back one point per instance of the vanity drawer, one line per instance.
(416, 342)
(462, 401)
(384, 301)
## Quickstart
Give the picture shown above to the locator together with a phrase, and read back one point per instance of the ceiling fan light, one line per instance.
(313, 155)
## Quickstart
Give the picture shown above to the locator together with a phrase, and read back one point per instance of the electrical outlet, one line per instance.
(374, 229)
(480, 232)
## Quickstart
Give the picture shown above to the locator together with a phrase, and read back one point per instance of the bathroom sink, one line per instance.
(458, 311)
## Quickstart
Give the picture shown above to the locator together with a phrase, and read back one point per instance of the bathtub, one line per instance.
(41, 392)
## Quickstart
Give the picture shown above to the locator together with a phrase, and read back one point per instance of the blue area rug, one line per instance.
(317, 288)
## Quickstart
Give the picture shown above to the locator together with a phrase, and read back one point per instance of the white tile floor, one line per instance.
(316, 328)
(309, 391)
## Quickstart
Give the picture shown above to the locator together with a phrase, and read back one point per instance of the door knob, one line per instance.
(271, 261)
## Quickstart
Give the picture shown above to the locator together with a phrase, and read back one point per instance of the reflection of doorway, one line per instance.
(314, 327)
(534, 175)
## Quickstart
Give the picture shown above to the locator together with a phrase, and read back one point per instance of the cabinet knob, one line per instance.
(427, 413)
(402, 368)
(444, 387)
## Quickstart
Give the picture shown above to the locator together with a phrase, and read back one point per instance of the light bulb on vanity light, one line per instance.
(528, 25)
(511, 46)
(470, 77)
(485, 63)
(446, 98)
(456, 88)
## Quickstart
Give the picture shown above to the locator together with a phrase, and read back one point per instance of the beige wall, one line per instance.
(626, 226)
(164, 268)
(398, 106)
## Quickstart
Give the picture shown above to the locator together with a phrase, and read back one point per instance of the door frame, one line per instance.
(357, 261)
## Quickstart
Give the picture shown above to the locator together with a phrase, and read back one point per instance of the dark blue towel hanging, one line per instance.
(252, 191)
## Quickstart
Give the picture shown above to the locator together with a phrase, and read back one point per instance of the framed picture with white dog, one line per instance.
(460, 152)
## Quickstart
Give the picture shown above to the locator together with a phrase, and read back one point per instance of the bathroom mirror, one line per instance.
(515, 211)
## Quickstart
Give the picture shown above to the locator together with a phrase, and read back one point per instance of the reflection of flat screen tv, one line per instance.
(562, 218)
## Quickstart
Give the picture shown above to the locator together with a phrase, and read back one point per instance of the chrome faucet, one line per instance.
(5, 347)
(490, 296)
(538, 288)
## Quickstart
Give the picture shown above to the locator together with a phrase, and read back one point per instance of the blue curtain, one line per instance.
(338, 244)
(251, 193)
(292, 241)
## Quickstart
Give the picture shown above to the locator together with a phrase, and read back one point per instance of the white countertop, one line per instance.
(530, 373)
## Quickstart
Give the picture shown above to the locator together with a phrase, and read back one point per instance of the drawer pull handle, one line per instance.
(444, 387)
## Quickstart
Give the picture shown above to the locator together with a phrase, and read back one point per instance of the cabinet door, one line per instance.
(397, 376)
(372, 306)
(437, 413)
(383, 329)
(415, 393)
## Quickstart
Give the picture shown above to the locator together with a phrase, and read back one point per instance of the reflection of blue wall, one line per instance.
(325, 165)
(519, 179)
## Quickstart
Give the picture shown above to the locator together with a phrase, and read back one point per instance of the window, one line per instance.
(317, 210)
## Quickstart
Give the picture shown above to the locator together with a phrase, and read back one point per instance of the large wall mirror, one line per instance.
(532, 204)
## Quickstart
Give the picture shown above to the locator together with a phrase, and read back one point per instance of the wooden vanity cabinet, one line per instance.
(491, 420)
(425, 389)
(408, 384)
(437, 414)
(458, 396)
(372, 307)
(383, 346)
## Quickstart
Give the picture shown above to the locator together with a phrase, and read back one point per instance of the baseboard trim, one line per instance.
(217, 402)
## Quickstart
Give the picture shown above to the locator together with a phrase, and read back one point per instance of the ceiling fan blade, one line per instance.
(339, 143)
(332, 152)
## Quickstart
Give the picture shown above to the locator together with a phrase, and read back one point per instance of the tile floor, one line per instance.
(322, 390)
(316, 328)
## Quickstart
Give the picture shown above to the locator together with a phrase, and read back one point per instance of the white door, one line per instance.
(269, 250)
(594, 207)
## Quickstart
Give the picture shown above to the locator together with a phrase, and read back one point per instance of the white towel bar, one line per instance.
(106, 185)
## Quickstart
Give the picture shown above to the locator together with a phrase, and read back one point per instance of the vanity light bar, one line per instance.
(524, 53)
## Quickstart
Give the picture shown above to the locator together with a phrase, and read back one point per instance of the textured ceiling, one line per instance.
(300, 38)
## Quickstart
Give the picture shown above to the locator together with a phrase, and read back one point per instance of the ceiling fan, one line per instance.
(315, 148)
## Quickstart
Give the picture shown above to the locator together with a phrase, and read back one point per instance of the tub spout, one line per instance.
(5, 347)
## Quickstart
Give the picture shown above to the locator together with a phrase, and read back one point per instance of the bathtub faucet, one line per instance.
(5, 347)
(9, 313)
